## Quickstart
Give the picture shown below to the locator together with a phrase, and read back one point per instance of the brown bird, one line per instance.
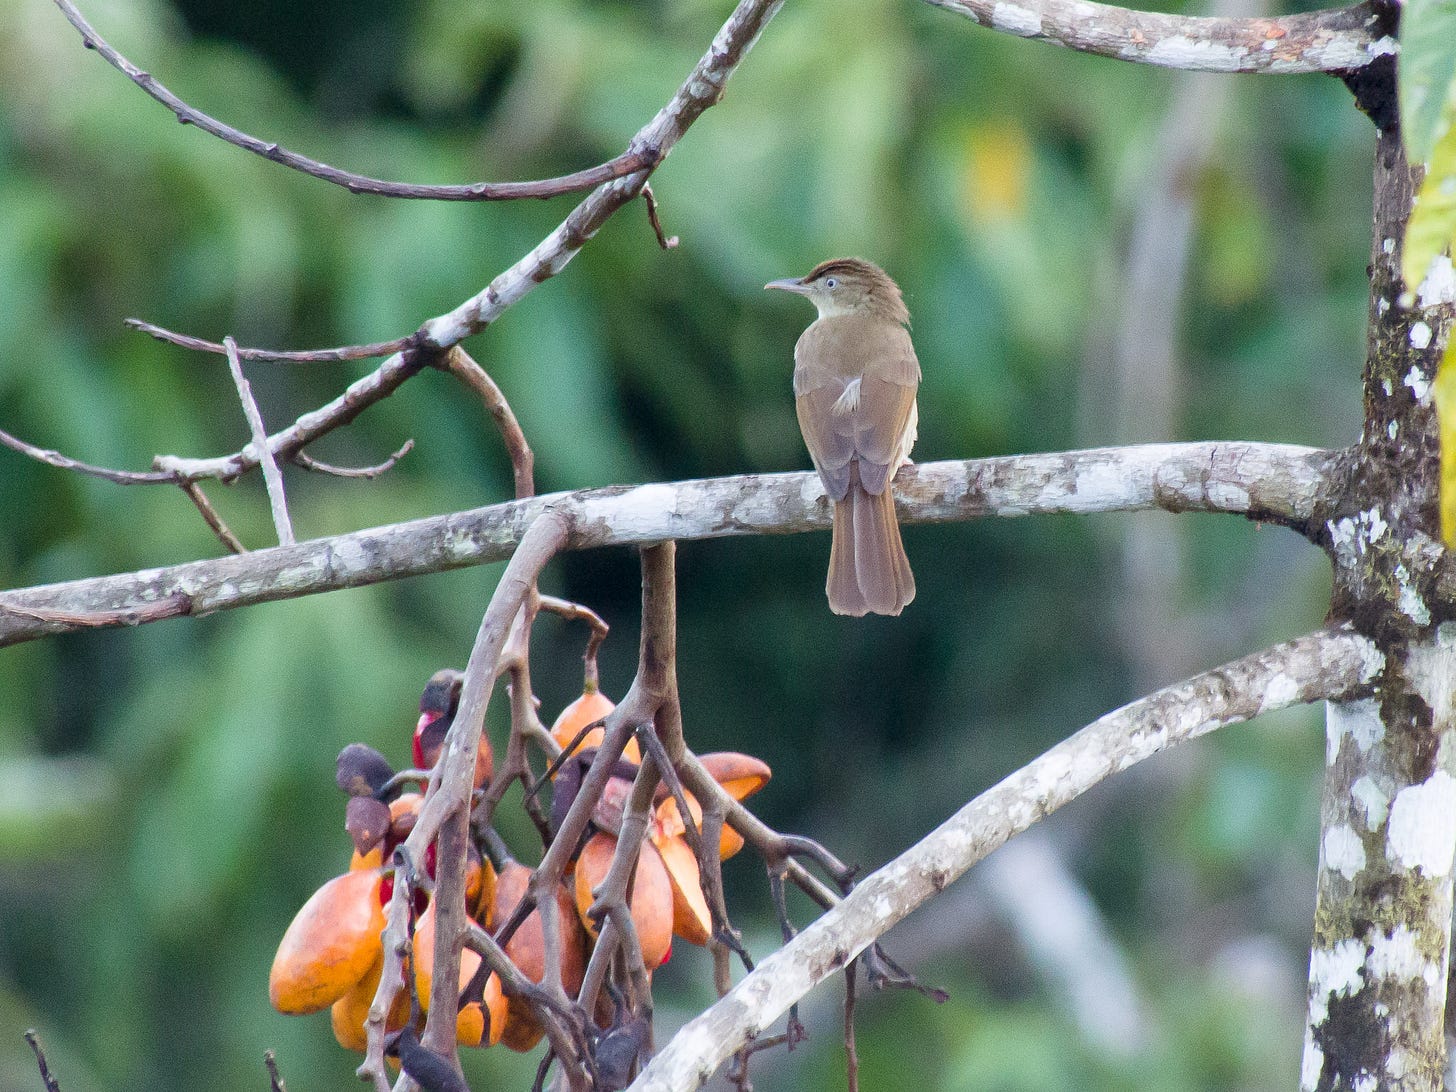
(855, 377)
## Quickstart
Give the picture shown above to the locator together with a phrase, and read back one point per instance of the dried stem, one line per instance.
(662, 239)
(47, 1078)
(460, 364)
(304, 461)
(275, 1079)
(626, 163)
(297, 356)
(272, 476)
(210, 516)
(64, 462)
(576, 612)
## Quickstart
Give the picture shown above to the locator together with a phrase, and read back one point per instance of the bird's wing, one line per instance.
(855, 381)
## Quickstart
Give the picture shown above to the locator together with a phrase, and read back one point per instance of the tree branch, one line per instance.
(1333, 40)
(1329, 663)
(1273, 483)
(626, 163)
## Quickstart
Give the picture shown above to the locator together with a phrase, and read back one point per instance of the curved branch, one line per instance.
(1330, 663)
(626, 163)
(1333, 40)
(1273, 483)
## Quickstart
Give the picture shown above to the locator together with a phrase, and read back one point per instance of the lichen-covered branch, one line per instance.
(1272, 483)
(1321, 665)
(1333, 40)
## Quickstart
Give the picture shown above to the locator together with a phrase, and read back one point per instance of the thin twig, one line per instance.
(663, 240)
(304, 461)
(275, 1080)
(460, 364)
(297, 356)
(173, 606)
(577, 612)
(272, 476)
(51, 1084)
(210, 515)
(64, 462)
(624, 164)
(851, 1055)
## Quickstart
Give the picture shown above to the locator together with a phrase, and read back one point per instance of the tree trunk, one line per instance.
(1382, 927)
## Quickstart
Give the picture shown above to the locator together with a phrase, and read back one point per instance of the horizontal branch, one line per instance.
(1333, 40)
(1274, 483)
(624, 164)
(1327, 664)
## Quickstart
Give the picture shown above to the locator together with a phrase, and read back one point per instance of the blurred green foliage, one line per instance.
(166, 800)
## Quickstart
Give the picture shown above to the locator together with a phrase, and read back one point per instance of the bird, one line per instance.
(855, 380)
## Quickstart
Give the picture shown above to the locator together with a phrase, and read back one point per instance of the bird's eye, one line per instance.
(831, 282)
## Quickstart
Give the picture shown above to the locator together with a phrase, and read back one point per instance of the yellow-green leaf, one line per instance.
(1444, 391)
(1426, 75)
(1432, 226)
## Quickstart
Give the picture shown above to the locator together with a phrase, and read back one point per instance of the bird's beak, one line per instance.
(790, 284)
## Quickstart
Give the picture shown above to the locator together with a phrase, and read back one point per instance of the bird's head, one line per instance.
(844, 286)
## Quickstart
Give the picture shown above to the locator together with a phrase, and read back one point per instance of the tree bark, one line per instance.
(1381, 947)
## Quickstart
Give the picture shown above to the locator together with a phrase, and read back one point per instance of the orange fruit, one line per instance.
(591, 706)
(330, 944)
(651, 903)
(520, 1029)
(351, 1011)
(690, 917)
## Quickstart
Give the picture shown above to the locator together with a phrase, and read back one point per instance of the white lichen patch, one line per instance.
(1334, 972)
(1398, 956)
(1385, 384)
(1180, 51)
(1422, 828)
(1412, 605)
(1281, 691)
(1359, 720)
(1420, 335)
(1387, 246)
(1392, 429)
(1439, 285)
(1419, 385)
(1014, 19)
(1343, 851)
(1373, 800)
(1312, 1065)
(1365, 1082)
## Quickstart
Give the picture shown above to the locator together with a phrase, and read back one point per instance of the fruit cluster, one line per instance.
(331, 956)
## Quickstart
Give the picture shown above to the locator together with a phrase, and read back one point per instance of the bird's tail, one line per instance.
(868, 570)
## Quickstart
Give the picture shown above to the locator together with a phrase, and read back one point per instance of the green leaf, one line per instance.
(1432, 226)
(1444, 392)
(1426, 74)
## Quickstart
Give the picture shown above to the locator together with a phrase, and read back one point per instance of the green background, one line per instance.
(166, 796)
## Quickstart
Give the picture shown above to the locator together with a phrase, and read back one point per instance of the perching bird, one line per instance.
(855, 377)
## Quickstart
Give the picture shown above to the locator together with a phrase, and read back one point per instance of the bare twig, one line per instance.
(576, 612)
(1269, 482)
(663, 240)
(213, 519)
(304, 461)
(272, 476)
(1333, 40)
(851, 1055)
(359, 396)
(275, 1080)
(173, 606)
(49, 1080)
(460, 364)
(626, 163)
(300, 356)
(1329, 663)
(63, 462)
